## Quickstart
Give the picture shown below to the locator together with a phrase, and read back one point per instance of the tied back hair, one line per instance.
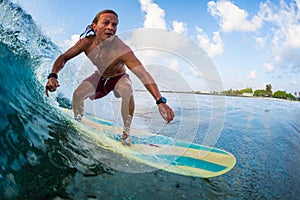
(88, 32)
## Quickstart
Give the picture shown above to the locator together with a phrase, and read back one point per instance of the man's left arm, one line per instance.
(131, 61)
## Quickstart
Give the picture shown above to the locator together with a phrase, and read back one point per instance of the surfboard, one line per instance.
(158, 151)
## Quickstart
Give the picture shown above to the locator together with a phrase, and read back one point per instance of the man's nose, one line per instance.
(110, 26)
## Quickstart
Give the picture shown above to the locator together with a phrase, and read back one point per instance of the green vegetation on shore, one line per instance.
(263, 93)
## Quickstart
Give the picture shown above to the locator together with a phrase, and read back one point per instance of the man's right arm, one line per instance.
(60, 62)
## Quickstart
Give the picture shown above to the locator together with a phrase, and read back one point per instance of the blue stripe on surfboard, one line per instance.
(99, 121)
(187, 162)
(200, 147)
(192, 162)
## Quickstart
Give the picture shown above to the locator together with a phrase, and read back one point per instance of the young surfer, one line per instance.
(110, 55)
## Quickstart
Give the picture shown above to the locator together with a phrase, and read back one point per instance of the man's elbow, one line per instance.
(63, 58)
(60, 61)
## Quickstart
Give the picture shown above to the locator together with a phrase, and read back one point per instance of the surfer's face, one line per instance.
(106, 26)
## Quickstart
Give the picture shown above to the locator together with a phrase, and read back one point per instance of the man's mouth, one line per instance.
(109, 34)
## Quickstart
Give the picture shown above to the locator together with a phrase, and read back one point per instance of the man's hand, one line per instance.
(51, 85)
(166, 112)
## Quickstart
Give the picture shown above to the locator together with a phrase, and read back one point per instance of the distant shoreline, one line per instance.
(219, 94)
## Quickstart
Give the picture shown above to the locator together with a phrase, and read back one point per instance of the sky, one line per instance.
(251, 43)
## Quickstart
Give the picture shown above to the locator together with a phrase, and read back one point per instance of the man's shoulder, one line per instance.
(86, 40)
(85, 44)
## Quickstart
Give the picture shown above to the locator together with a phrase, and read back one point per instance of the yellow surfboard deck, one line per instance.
(159, 151)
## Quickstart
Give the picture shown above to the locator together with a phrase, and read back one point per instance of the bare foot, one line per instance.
(126, 139)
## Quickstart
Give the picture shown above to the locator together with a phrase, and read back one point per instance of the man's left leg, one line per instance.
(123, 89)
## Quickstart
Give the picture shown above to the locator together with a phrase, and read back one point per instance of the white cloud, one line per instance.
(212, 46)
(285, 21)
(154, 17)
(69, 43)
(283, 38)
(252, 74)
(260, 42)
(269, 67)
(155, 34)
(180, 27)
(232, 18)
(158, 46)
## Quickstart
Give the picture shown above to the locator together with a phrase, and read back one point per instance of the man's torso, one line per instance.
(106, 57)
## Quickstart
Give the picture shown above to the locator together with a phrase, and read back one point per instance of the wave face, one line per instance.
(40, 149)
(27, 115)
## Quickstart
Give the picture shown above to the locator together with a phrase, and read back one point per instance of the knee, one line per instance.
(125, 90)
(84, 90)
(77, 94)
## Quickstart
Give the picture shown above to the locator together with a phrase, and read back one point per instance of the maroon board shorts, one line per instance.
(103, 85)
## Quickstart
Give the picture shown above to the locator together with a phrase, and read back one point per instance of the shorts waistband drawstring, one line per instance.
(106, 79)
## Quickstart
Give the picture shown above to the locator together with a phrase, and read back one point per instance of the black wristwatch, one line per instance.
(161, 100)
(52, 75)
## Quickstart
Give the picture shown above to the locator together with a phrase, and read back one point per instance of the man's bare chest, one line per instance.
(104, 57)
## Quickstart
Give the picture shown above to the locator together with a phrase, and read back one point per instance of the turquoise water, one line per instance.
(42, 155)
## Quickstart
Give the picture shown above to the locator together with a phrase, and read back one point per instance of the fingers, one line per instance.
(170, 116)
(51, 87)
(48, 88)
(47, 92)
(166, 112)
(57, 84)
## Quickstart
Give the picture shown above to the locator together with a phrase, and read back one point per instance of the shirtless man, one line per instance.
(110, 55)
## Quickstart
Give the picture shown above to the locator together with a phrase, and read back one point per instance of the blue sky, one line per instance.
(251, 43)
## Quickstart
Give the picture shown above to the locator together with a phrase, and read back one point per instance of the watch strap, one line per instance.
(52, 75)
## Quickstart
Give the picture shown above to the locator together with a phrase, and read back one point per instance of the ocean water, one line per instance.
(42, 155)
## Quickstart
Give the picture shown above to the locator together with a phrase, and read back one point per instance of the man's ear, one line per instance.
(94, 26)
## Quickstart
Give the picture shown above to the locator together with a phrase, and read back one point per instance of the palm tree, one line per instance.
(269, 89)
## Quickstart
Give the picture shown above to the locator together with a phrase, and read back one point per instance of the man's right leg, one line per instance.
(83, 91)
(123, 89)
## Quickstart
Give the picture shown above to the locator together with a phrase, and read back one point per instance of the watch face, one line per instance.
(161, 100)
